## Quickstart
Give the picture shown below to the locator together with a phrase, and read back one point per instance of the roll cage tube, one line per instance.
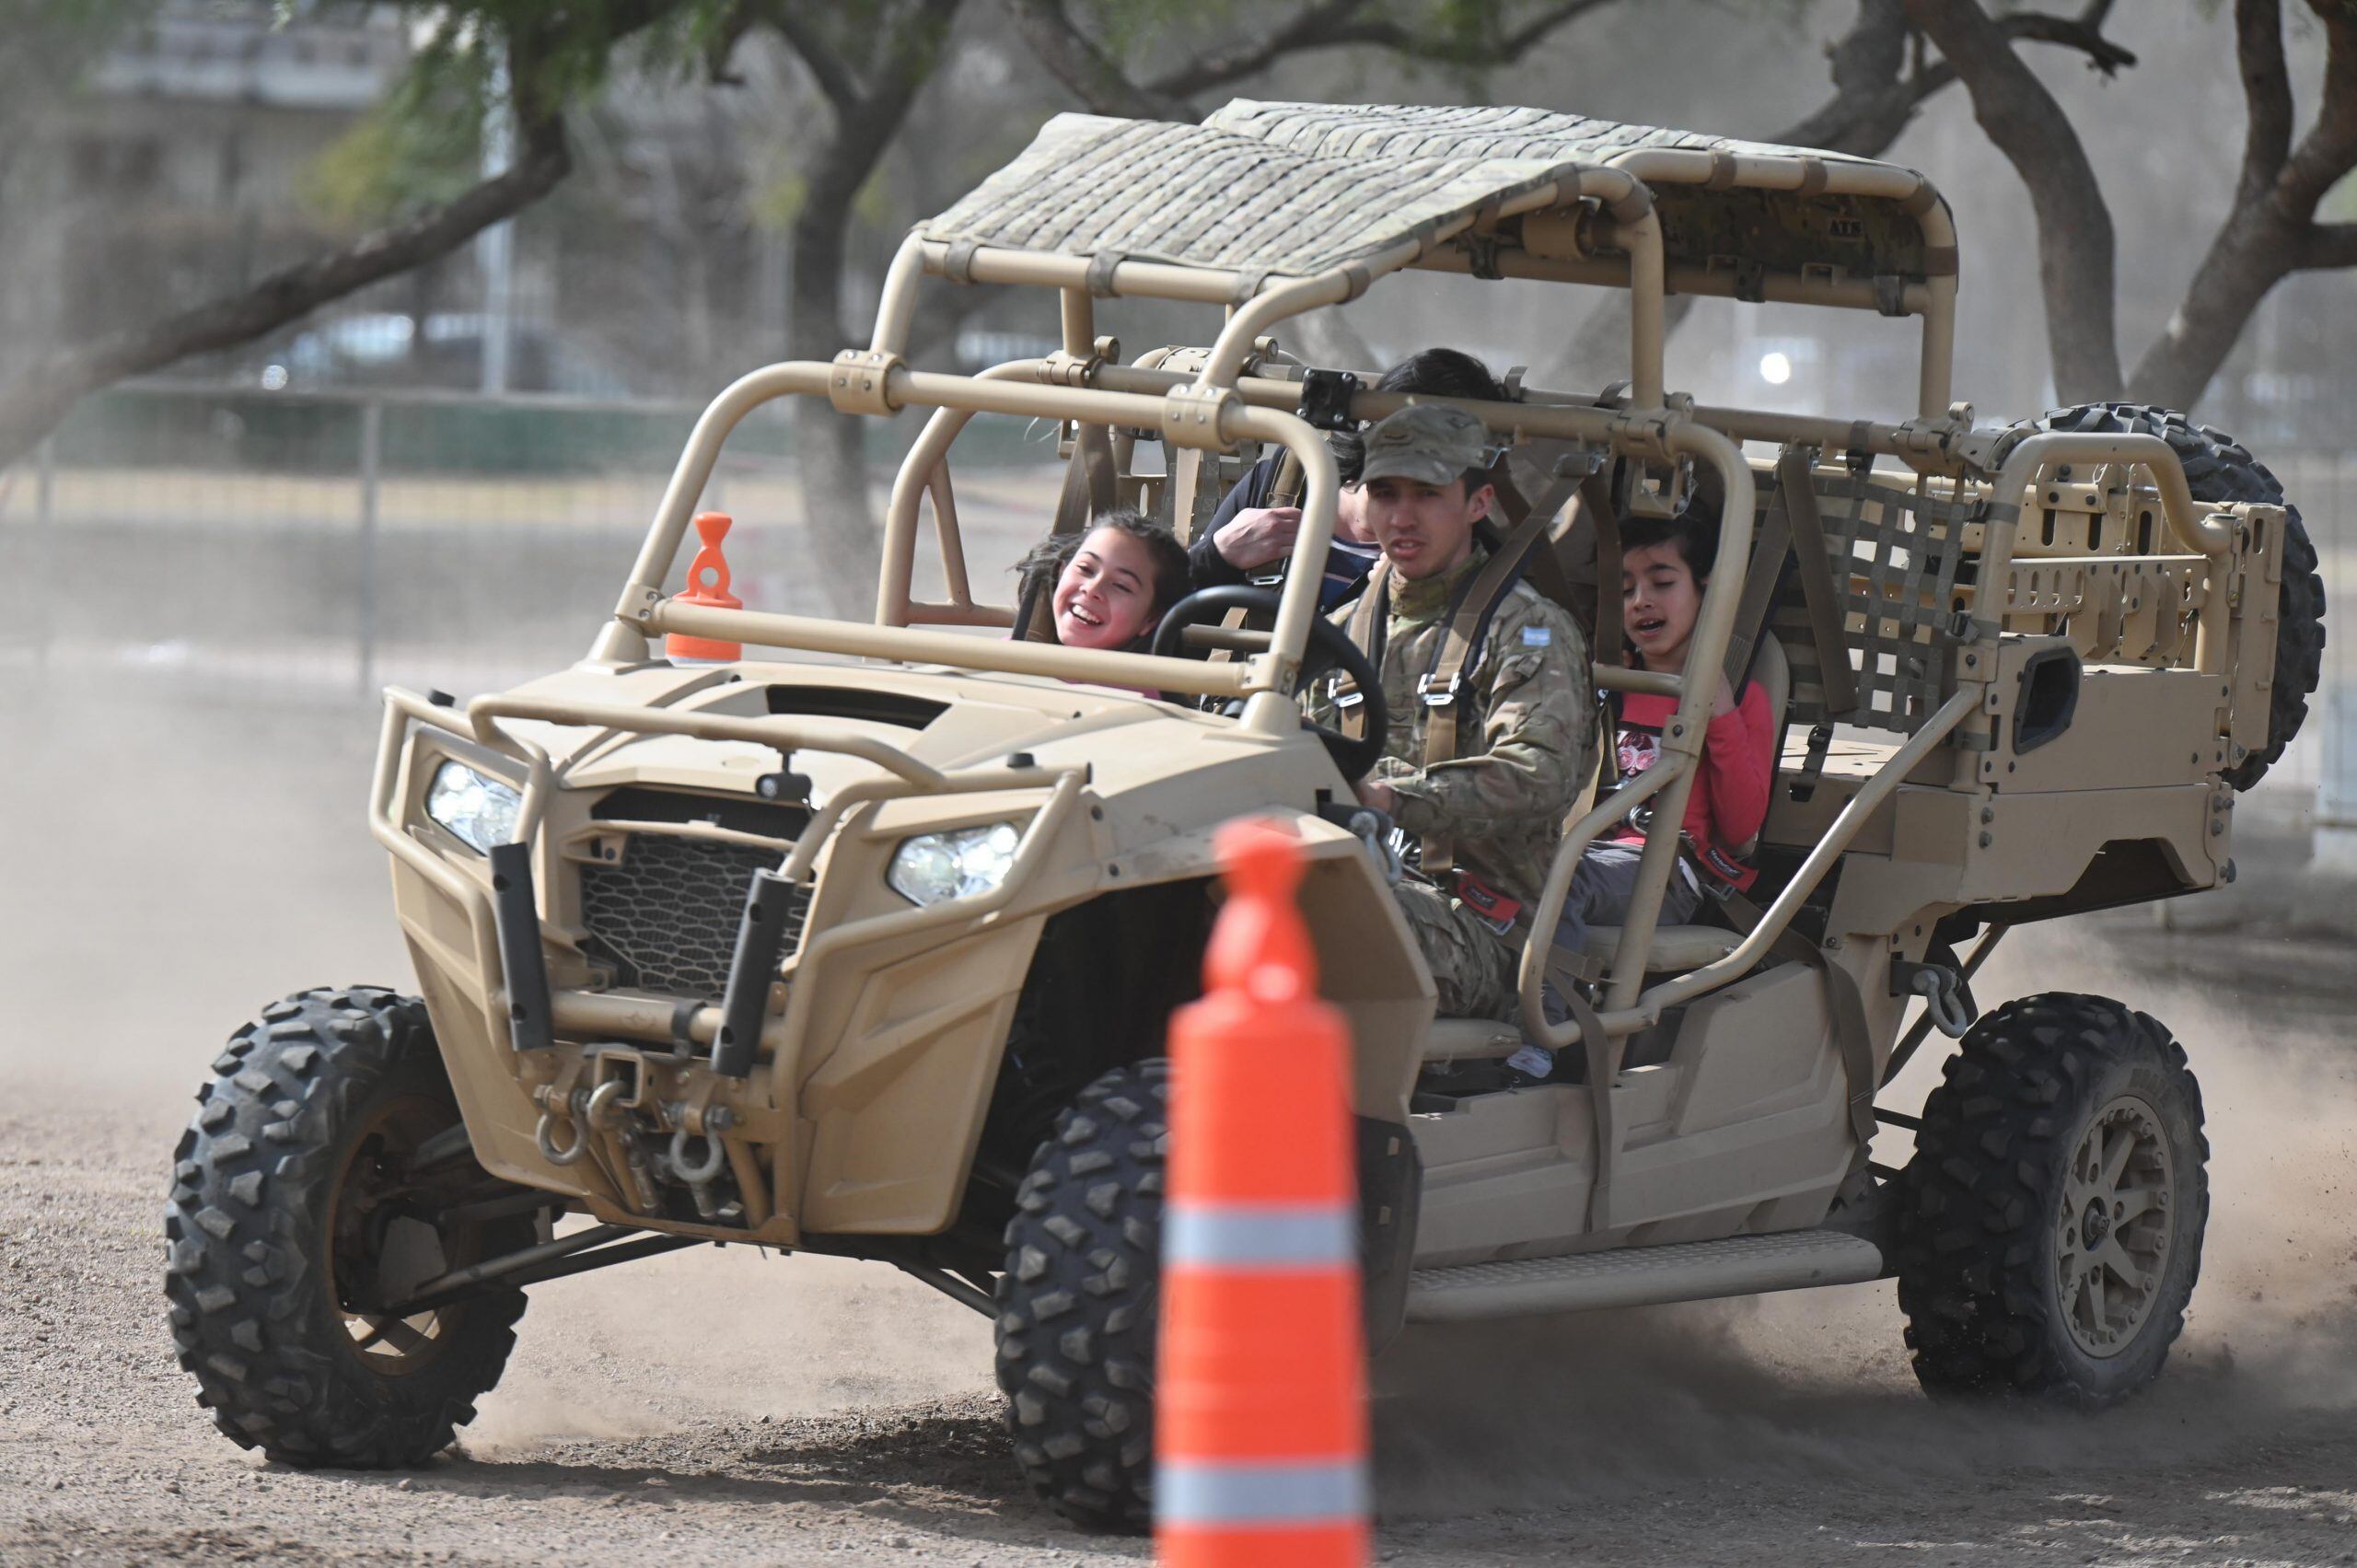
(1221, 419)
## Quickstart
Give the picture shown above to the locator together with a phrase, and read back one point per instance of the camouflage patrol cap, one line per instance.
(1428, 443)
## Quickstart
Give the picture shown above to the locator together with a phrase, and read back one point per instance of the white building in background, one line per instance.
(334, 60)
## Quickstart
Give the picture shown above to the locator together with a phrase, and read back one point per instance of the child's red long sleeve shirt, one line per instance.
(1738, 764)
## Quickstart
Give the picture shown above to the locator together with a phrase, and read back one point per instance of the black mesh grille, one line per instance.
(666, 916)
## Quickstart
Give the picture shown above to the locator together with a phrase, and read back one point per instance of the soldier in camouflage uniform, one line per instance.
(1525, 718)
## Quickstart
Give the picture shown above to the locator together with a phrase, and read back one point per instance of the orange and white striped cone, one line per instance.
(1260, 1433)
(707, 586)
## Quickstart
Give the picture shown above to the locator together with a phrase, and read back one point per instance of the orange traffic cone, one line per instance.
(1260, 1427)
(707, 584)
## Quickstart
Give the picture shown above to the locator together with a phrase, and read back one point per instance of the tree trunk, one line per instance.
(2249, 257)
(2074, 233)
(2272, 230)
(829, 449)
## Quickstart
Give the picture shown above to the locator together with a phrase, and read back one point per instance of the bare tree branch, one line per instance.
(1092, 75)
(1311, 27)
(35, 402)
(1872, 95)
(2271, 229)
(1336, 24)
(2267, 92)
(2075, 241)
(1105, 85)
(914, 48)
(1876, 93)
(2084, 33)
(1516, 44)
(1880, 79)
(818, 57)
(2329, 149)
(2327, 246)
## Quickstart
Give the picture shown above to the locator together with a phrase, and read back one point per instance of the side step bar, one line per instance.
(1641, 1276)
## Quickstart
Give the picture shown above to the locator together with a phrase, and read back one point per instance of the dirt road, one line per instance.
(714, 1406)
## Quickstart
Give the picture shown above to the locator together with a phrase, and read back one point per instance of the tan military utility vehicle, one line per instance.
(863, 943)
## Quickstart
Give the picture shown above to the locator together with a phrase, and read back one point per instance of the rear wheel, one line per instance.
(2219, 470)
(321, 1181)
(1078, 1300)
(2051, 1219)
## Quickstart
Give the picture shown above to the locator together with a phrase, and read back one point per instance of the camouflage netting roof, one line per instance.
(1397, 130)
(1282, 187)
(1204, 196)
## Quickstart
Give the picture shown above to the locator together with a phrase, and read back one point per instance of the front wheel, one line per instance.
(324, 1179)
(2052, 1218)
(1077, 1306)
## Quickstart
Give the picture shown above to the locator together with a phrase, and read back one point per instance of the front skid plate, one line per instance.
(1641, 1276)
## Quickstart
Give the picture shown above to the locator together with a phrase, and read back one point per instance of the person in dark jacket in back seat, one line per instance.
(1246, 534)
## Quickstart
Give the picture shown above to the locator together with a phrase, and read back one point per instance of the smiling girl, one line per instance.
(1107, 587)
(1665, 566)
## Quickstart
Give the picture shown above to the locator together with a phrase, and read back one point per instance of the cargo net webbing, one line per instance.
(1894, 556)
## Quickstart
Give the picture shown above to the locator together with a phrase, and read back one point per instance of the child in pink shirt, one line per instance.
(1665, 566)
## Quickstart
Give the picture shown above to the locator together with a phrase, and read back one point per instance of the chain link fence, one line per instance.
(276, 542)
(265, 544)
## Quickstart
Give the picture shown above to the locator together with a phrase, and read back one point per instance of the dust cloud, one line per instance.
(173, 860)
(1813, 1385)
(722, 1333)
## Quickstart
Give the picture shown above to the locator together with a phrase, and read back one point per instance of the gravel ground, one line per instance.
(723, 1405)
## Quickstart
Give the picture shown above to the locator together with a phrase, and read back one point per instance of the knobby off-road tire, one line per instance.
(2218, 469)
(2050, 1221)
(294, 1209)
(1078, 1303)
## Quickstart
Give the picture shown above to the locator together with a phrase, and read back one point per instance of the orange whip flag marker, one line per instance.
(1260, 1437)
(708, 585)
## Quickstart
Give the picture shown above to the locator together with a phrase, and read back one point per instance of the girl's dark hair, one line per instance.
(1037, 571)
(1695, 531)
(1431, 373)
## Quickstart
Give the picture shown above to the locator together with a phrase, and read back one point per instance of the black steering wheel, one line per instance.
(1330, 649)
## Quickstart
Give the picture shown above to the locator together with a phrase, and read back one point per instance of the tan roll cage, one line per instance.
(1234, 398)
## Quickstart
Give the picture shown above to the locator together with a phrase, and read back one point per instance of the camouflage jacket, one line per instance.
(1525, 737)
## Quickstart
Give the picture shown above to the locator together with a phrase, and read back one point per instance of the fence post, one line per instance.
(39, 554)
(372, 435)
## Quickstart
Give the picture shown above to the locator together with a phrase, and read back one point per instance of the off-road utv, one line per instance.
(863, 943)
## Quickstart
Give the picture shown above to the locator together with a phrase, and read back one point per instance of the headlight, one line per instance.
(480, 811)
(955, 865)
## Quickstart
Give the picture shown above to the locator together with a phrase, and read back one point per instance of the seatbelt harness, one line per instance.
(1797, 492)
(1459, 648)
